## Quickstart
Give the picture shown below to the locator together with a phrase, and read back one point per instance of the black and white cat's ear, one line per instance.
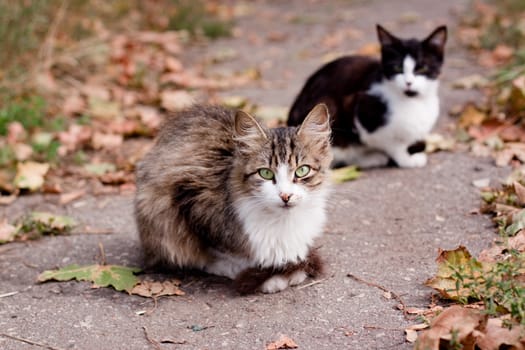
(316, 122)
(437, 38)
(384, 36)
(247, 126)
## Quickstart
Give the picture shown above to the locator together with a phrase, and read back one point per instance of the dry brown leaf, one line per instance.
(154, 289)
(22, 151)
(284, 342)
(512, 150)
(519, 189)
(15, 133)
(149, 116)
(73, 138)
(471, 115)
(73, 104)
(106, 141)
(516, 99)
(461, 322)
(66, 198)
(512, 133)
(176, 100)
(30, 175)
(7, 231)
(502, 53)
(411, 335)
(495, 336)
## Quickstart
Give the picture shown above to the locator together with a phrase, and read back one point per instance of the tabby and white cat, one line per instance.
(381, 110)
(222, 193)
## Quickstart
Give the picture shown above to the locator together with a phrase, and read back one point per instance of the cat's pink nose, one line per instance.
(285, 197)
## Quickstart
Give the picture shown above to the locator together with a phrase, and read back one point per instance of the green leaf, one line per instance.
(100, 168)
(119, 277)
(48, 224)
(347, 173)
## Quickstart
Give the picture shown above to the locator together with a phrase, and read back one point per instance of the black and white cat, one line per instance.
(381, 110)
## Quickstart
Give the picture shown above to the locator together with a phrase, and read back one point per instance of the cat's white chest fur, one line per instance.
(282, 236)
(409, 119)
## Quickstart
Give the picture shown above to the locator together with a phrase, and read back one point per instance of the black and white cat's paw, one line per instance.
(278, 283)
(416, 160)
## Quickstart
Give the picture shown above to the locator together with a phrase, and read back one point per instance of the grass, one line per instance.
(499, 288)
(192, 16)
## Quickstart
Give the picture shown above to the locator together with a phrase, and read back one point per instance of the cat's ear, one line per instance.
(384, 36)
(437, 38)
(247, 127)
(316, 122)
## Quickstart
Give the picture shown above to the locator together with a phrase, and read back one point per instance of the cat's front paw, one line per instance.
(275, 284)
(417, 160)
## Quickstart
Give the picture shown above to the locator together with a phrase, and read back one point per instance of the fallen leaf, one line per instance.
(471, 115)
(149, 116)
(154, 289)
(121, 278)
(68, 197)
(502, 53)
(30, 175)
(106, 141)
(516, 100)
(470, 82)
(103, 109)
(271, 112)
(235, 101)
(73, 104)
(519, 189)
(47, 223)
(481, 183)
(411, 335)
(22, 151)
(284, 342)
(100, 168)
(7, 232)
(74, 137)
(449, 262)
(176, 100)
(497, 336)
(454, 322)
(437, 142)
(15, 133)
(347, 173)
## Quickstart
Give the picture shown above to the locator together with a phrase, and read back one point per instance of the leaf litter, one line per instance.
(121, 278)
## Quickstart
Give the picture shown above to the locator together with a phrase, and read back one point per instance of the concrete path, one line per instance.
(385, 228)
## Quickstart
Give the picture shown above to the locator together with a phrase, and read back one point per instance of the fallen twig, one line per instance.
(30, 342)
(102, 254)
(8, 294)
(313, 283)
(372, 284)
(152, 341)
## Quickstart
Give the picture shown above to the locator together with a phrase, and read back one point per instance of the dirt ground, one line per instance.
(385, 228)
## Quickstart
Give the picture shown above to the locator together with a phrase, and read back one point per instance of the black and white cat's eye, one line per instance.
(421, 70)
(397, 69)
(266, 173)
(302, 171)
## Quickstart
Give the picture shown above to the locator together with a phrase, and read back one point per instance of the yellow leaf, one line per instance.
(30, 175)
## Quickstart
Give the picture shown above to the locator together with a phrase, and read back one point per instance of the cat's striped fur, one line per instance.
(202, 203)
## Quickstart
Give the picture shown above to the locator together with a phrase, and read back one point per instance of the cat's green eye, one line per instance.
(302, 171)
(398, 68)
(266, 173)
(422, 69)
